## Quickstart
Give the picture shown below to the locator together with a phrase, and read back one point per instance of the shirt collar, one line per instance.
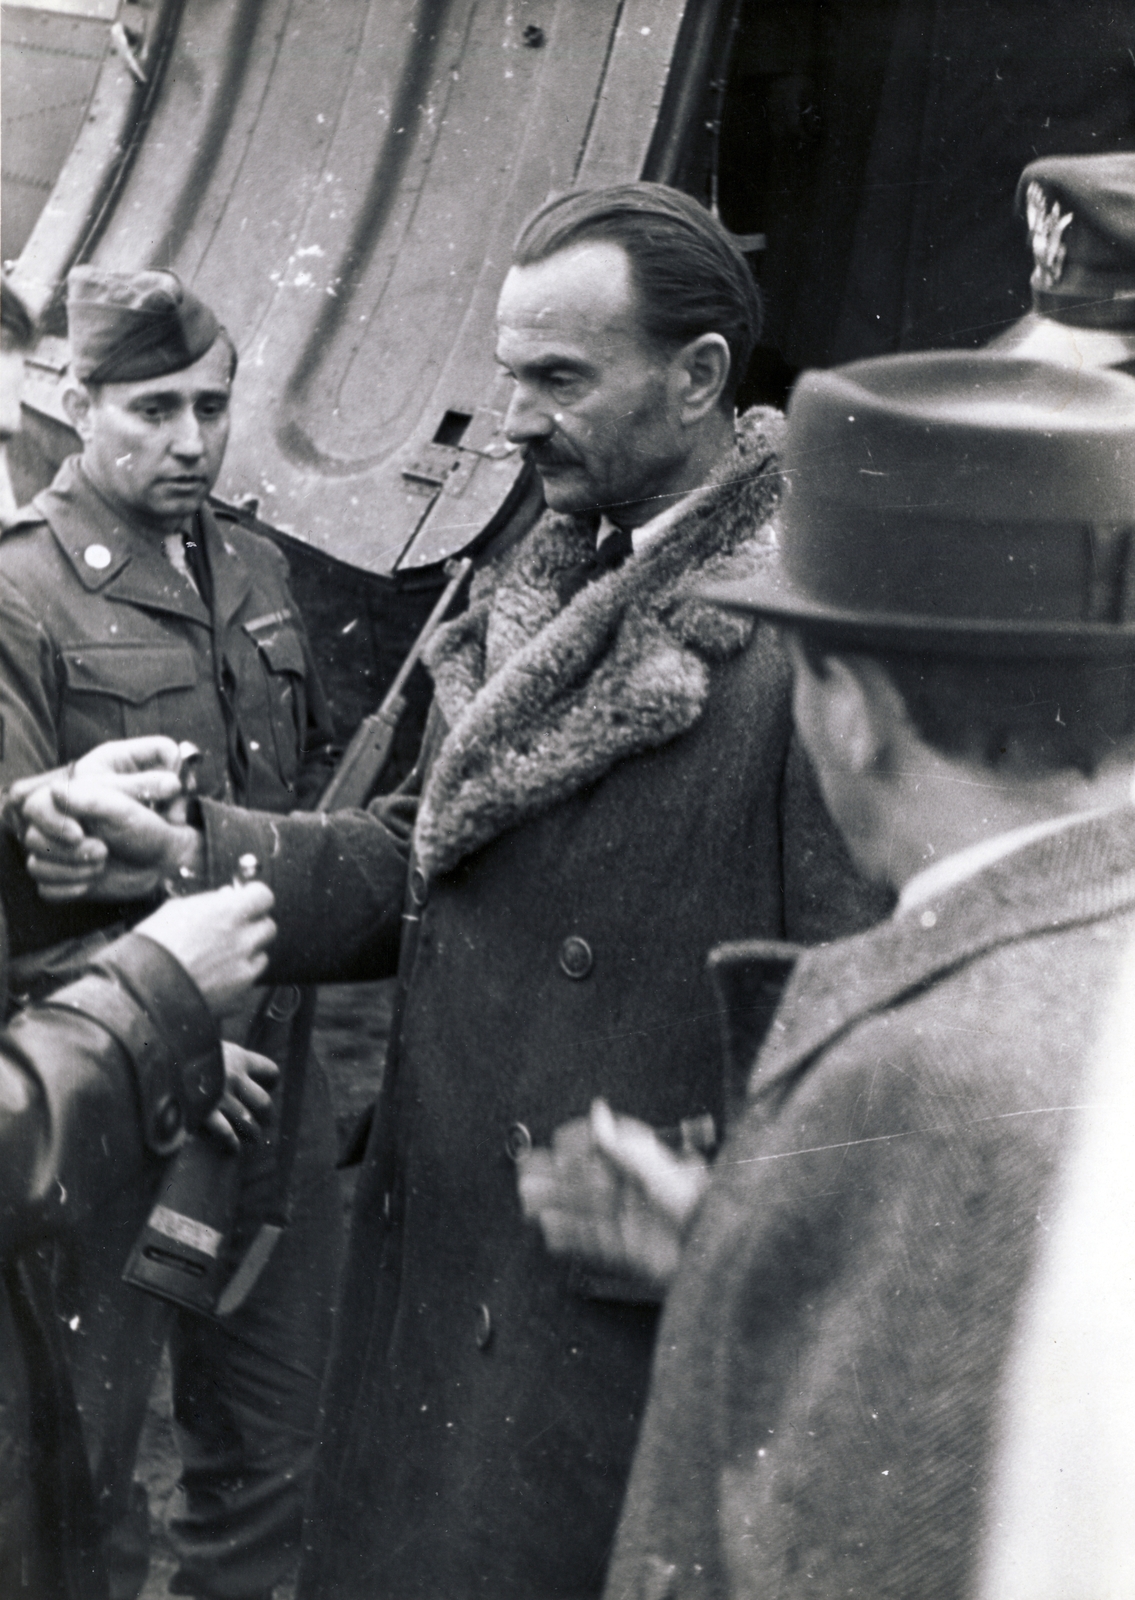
(649, 531)
(967, 863)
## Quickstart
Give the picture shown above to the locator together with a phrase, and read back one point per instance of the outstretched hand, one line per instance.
(220, 938)
(99, 837)
(82, 834)
(610, 1193)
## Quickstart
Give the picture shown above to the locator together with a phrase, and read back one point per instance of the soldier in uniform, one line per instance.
(1080, 213)
(956, 590)
(97, 1085)
(153, 614)
(608, 786)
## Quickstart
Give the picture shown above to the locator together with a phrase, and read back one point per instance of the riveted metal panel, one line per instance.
(342, 180)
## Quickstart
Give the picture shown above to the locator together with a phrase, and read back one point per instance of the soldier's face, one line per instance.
(155, 447)
(594, 402)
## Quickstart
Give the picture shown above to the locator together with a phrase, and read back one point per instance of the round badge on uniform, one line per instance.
(97, 556)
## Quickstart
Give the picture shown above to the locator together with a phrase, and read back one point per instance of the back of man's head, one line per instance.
(1027, 717)
(688, 272)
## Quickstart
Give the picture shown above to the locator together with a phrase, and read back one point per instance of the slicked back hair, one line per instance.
(16, 326)
(687, 270)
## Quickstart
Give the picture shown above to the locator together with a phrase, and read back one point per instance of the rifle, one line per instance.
(178, 1254)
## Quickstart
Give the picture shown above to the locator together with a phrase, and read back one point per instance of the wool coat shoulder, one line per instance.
(825, 1389)
(612, 789)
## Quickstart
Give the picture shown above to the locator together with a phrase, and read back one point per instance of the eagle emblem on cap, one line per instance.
(1047, 227)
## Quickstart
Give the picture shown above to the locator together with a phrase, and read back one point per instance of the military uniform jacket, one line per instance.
(608, 790)
(102, 638)
(828, 1366)
(94, 1086)
(126, 645)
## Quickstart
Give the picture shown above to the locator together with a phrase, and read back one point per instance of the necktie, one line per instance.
(614, 550)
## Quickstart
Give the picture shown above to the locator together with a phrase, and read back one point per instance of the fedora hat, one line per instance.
(954, 501)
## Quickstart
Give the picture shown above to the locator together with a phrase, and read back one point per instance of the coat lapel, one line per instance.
(542, 698)
(130, 564)
(1083, 873)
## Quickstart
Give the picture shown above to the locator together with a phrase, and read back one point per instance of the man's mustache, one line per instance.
(546, 454)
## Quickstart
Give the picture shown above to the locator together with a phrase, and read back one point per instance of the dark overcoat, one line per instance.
(609, 791)
(825, 1388)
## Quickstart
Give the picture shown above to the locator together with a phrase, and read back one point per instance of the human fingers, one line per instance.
(43, 823)
(220, 938)
(245, 1076)
(153, 787)
(672, 1182)
(231, 1125)
(145, 753)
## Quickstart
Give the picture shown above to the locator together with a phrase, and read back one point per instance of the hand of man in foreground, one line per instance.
(220, 938)
(97, 835)
(611, 1193)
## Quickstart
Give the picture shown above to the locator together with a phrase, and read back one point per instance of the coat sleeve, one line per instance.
(825, 896)
(339, 878)
(339, 882)
(114, 1068)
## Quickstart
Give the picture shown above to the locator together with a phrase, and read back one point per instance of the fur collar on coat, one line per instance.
(543, 698)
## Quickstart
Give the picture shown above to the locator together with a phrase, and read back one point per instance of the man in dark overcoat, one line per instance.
(956, 588)
(608, 785)
(154, 615)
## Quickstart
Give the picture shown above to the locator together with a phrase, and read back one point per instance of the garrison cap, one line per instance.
(957, 502)
(127, 326)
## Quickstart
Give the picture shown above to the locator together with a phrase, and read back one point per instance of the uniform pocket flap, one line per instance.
(281, 650)
(134, 671)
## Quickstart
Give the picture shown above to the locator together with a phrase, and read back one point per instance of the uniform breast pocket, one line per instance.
(284, 665)
(119, 691)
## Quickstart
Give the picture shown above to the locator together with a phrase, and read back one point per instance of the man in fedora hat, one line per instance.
(956, 591)
(155, 614)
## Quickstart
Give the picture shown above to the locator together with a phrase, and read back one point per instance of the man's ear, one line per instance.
(702, 370)
(77, 405)
(850, 707)
(877, 724)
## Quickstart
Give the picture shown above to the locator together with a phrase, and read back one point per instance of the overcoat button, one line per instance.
(97, 556)
(518, 1141)
(575, 957)
(419, 889)
(167, 1118)
(484, 1331)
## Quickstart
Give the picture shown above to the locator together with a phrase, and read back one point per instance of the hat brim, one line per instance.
(779, 601)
